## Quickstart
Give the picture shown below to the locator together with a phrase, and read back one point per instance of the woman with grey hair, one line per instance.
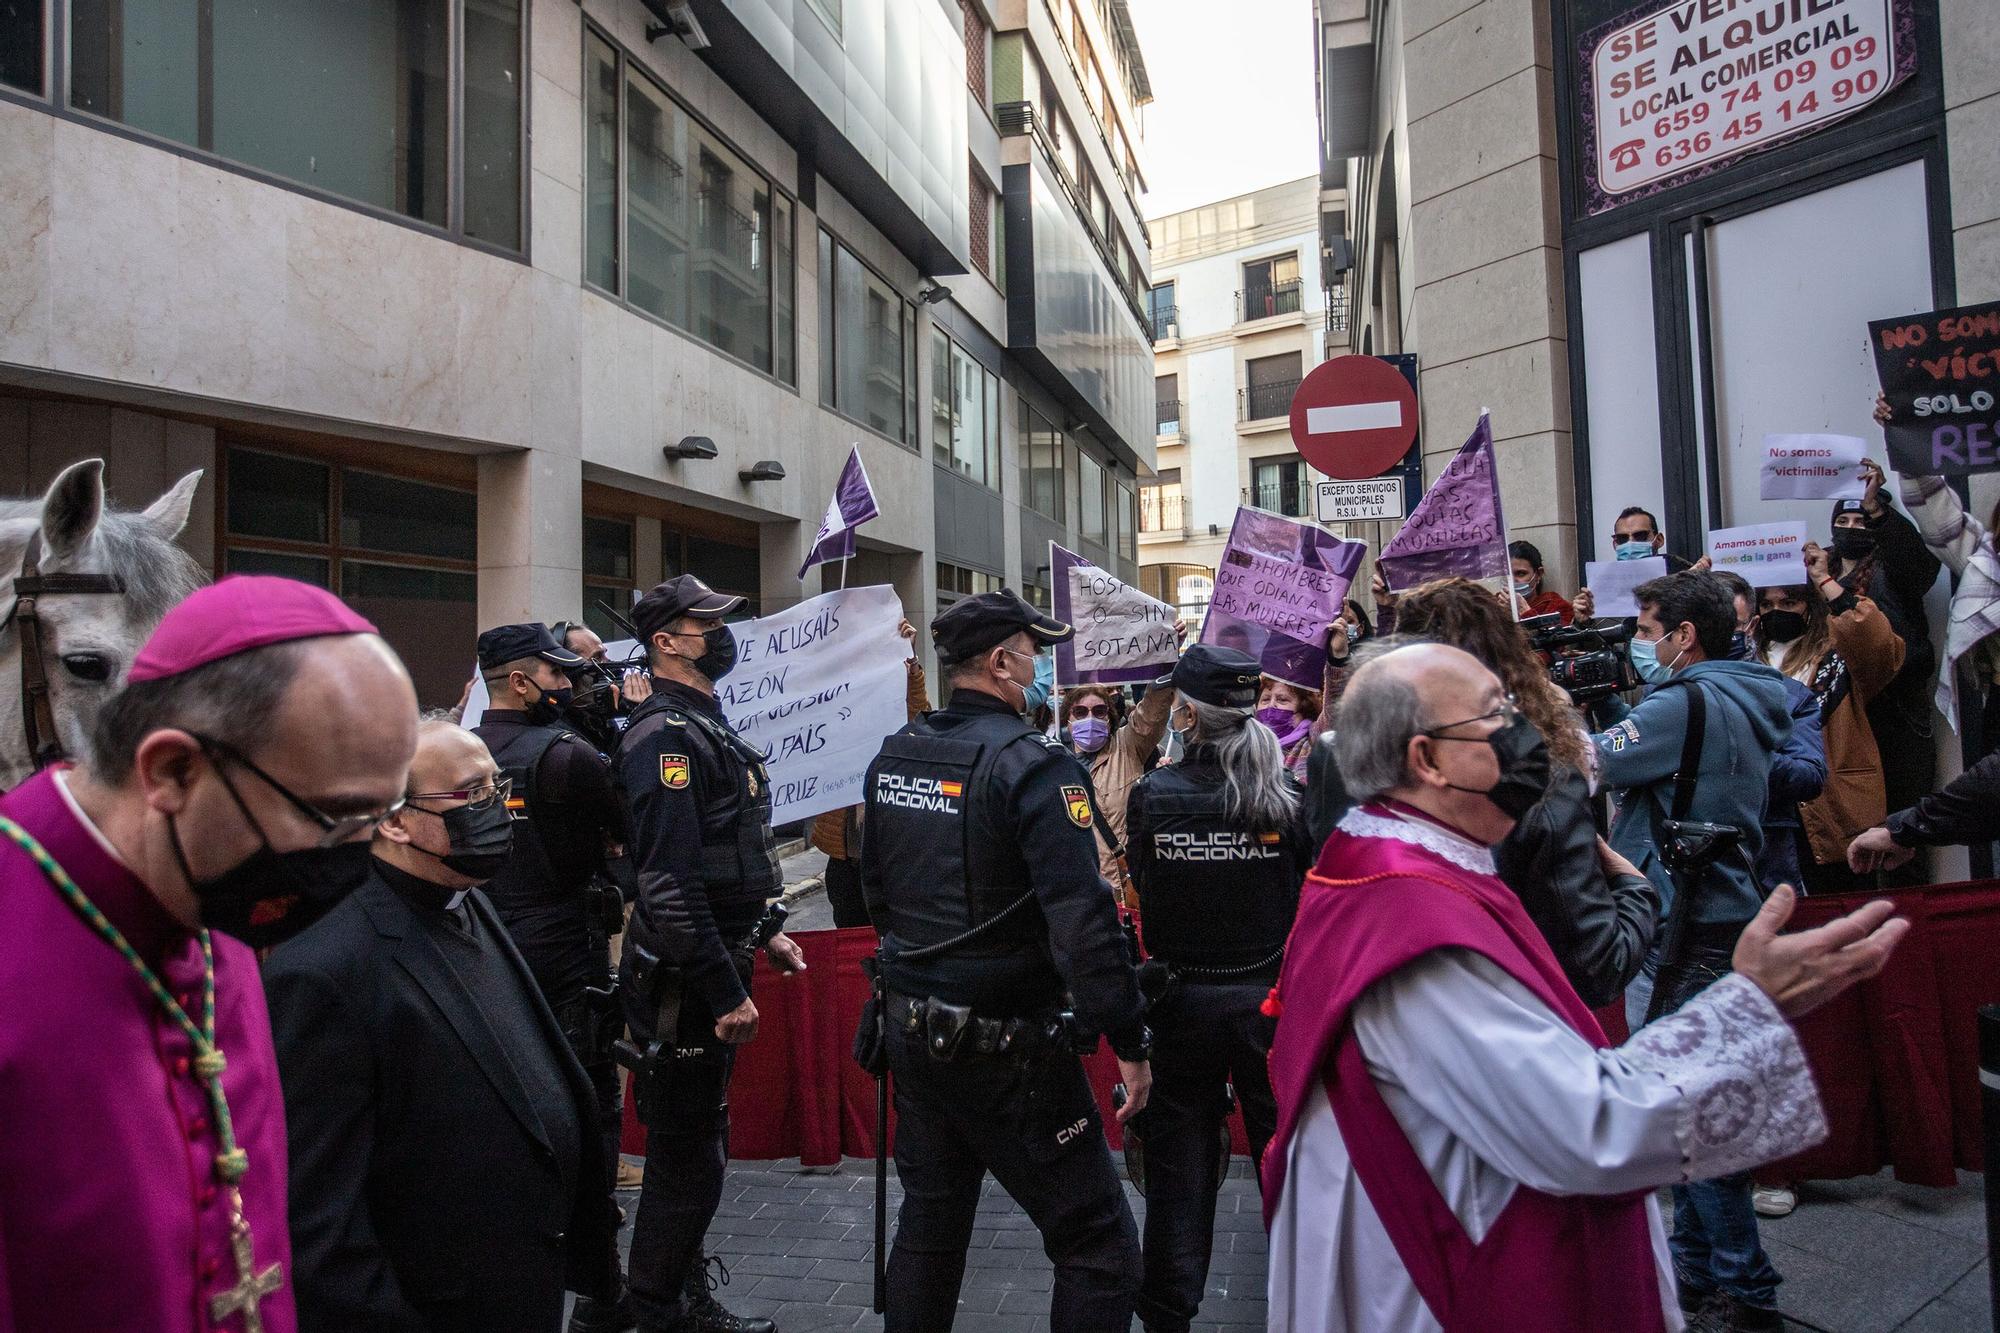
(1218, 848)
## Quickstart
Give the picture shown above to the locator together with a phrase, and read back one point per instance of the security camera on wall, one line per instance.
(681, 22)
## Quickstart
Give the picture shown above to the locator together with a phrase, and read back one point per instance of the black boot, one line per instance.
(705, 1314)
(604, 1316)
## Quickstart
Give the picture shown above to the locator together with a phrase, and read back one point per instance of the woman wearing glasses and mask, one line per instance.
(1218, 849)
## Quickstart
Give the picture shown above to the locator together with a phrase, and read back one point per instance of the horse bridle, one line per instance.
(38, 716)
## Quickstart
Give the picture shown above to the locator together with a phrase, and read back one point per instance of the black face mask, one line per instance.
(1524, 769)
(273, 895)
(550, 707)
(482, 840)
(1782, 626)
(1853, 543)
(720, 658)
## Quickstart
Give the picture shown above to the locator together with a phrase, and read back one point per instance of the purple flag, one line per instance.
(1278, 586)
(853, 504)
(1457, 528)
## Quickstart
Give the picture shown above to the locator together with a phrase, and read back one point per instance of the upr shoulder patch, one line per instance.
(674, 771)
(1078, 801)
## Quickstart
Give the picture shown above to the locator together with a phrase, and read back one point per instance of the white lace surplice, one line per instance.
(1495, 1091)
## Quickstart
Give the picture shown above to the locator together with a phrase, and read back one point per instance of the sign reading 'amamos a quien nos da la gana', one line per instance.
(1693, 84)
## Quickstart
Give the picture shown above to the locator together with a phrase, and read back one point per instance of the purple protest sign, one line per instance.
(1278, 586)
(1457, 528)
(853, 504)
(1123, 637)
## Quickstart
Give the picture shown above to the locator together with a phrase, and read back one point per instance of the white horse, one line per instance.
(88, 639)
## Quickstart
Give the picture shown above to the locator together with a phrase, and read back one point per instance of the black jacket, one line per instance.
(1599, 928)
(1959, 813)
(424, 1192)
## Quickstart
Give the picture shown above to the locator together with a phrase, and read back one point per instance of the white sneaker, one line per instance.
(1774, 1200)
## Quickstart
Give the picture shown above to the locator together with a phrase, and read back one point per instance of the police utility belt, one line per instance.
(954, 1032)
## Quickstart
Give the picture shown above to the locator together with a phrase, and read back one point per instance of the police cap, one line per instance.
(973, 625)
(511, 643)
(683, 595)
(1211, 674)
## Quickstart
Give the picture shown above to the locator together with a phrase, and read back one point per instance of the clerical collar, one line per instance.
(421, 893)
(1403, 823)
(44, 806)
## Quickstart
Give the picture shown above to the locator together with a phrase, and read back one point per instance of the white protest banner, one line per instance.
(1767, 555)
(1811, 467)
(1611, 582)
(1122, 635)
(816, 688)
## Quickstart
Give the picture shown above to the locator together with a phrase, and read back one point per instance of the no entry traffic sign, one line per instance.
(1354, 417)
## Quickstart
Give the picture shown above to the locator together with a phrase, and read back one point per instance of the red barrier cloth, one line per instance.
(1897, 1059)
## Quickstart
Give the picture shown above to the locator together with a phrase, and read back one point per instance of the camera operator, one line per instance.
(1718, 723)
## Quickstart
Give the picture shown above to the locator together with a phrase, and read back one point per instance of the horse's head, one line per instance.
(88, 639)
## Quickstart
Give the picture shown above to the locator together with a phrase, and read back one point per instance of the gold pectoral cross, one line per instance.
(251, 1286)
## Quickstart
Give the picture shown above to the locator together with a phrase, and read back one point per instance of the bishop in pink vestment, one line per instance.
(1458, 1148)
(111, 1217)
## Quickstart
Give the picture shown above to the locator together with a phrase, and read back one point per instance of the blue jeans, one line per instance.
(1714, 1241)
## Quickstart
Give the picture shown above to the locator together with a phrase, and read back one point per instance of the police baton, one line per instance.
(1989, 1101)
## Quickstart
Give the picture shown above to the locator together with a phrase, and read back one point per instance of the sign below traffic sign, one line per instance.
(1358, 501)
(1354, 417)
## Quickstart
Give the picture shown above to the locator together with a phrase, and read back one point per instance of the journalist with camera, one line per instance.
(1690, 768)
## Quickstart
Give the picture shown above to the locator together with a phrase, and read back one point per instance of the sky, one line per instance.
(1232, 98)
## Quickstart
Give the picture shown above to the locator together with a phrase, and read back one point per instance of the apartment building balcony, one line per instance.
(1265, 403)
(1171, 416)
(1166, 322)
(1163, 516)
(1269, 301)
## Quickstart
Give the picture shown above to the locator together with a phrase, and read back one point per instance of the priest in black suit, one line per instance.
(446, 1175)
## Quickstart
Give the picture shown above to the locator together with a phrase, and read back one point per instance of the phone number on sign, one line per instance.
(1793, 101)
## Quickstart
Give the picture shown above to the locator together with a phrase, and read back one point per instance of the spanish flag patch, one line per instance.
(673, 771)
(952, 788)
(1078, 801)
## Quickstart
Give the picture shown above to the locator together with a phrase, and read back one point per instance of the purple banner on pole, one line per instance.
(853, 504)
(1278, 586)
(1123, 637)
(1457, 528)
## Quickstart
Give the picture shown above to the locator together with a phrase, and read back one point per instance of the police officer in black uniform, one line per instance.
(980, 868)
(1218, 848)
(556, 896)
(707, 867)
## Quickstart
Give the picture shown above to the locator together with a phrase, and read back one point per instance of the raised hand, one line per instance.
(1802, 972)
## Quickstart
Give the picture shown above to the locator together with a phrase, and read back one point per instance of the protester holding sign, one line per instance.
(1117, 749)
(1969, 550)
(1877, 550)
(1839, 645)
(1290, 712)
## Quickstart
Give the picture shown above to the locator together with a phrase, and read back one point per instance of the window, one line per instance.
(956, 581)
(1094, 518)
(1161, 311)
(868, 353)
(354, 99)
(1041, 464)
(982, 224)
(608, 572)
(405, 552)
(1128, 520)
(1167, 400)
(1271, 287)
(1271, 381)
(706, 243)
(965, 413)
(975, 54)
(21, 45)
(727, 566)
(1281, 485)
(1161, 506)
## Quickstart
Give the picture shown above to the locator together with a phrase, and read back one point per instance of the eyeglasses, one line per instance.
(1636, 535)
(1091, 710)
(1507, 712)
(334, 829)
(475, 798)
